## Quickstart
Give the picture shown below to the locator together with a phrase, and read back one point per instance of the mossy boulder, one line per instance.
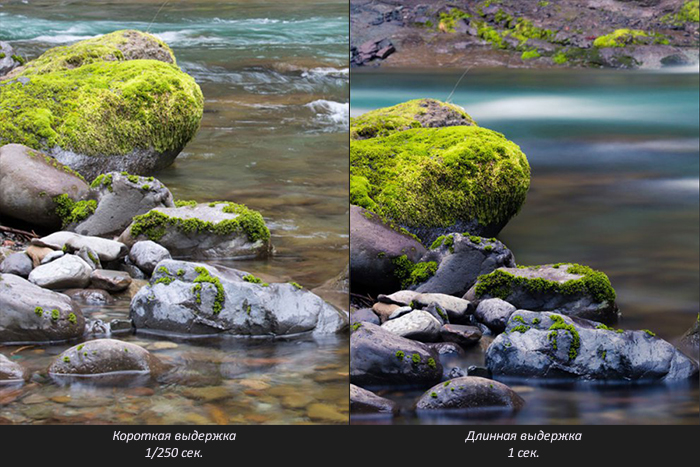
(103, 357)
(197, 299)
(118, 198)
(29, 313)
(418, 113)
(571, 289)
(439, 180)
(553, 346)
(37, 189)
(208, 230)
(470, 393)
(115, 102)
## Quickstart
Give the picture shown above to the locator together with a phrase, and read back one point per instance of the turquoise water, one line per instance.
(615, 176)
(274, 137)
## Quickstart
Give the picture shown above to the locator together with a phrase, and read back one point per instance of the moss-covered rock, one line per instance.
(418, 113)
(116, 102)
(209, 230)
(437, 180)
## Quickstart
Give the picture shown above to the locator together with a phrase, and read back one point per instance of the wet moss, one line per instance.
(355, 326)
(558, 324)
(448, 20)
(625, 37)
(530, 55)
(255, 280)
(55, 314)
(70, 211)
(415, 359)
(688, 13)
(89, 99)
(183, 202)
(72, 318)
(434, 177)
(206, 278)
(296, 285)
(433, 395)
(39, 311)
(431, 363)
(400, 354)
(410, 273)
(103, 180)
(649, 333)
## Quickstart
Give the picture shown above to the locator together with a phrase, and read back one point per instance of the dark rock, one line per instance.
(111, 281)
(494, 313)
(32, 314)
(198, 299)
(379, 357)
(374, 248)
(18, 264)
(364, 315)
(690, 342)
(364, 401)
(104, 356)
(121, 326)
(447, 348)
(479, 371)
(90, 296)
(470, 392)
(465, 336)
(549, 345)
(455, 372)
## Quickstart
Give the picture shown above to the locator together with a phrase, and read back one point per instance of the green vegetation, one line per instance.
(434, 177)
(90, 99)
(560, 58)
(72, 318)
(447, 240)
(355, 326)
(154, 224)
(39, 311)
(410, 273)
(625, 37)
(448, 21)
(431, 363)
(501, 283)
(55, 314)
(182, 202)
(70, 211)
(400, 354)
(688, 13)
(433, 395)
(255, 280)
(649, 333)
(558, 324)
(530, 54)
(296, 285)
(415, 359)
(206, 278)
(103, 180)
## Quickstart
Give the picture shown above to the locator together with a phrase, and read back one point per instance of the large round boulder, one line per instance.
(553, 346)
(436, 180)
(102, 357)
(29, 313)
(37, 189)
(211, 230)
(379, 357)
(470, 392)
(67, 272)
(119, 197)
(197, 299)
(114, 102)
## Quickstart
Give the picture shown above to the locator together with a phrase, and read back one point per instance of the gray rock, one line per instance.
(121, 326)
(494, 313)
(33, 314)
(90, 296)
(400, 298)
(399, 312)
(111, 281)
(363, 401)
(550, 345)
(455, 372)
(364, 315)
(480, 371)
(563, 291)
(54, 255)
(179, 239)
(197, 299)
(457, 309)
(147, 254)
(380, 357)
(120, 197)
(104, 356)
(465, 336)
(7, 62)
(438, 313)
(447, 348)
(470, 392)
(90, 257)
(106, 250)
(374, 247)
(29, 180)
(418, 325)
(17, 263)
(690, 342)
(67, 272)
(11, 372)
(461, 260)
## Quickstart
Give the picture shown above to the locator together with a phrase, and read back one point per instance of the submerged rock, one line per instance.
(363, 401)
(461, 259)
(550, 345)
(120, 197)
(378, 357)
(98, 118)
(569, 289)
(435, 180)
(37, 189)
(380, 253)
(11, 372)
(213, 230)
(29, 313)
(198, 299)
(102, 357)
(470, 392)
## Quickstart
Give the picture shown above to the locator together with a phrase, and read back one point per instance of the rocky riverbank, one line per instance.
(425, 292)
(525, 34)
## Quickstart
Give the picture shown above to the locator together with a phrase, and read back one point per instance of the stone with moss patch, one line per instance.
(117, 101)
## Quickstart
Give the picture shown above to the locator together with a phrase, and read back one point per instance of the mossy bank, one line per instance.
(115, 102)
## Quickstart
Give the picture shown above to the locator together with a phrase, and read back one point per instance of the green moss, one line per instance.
(433, 395)
(182, 202)
(560, 58)
(520, 29)
(145, 187)
(80, 347)
(688, 13)
(603, 354)
(39, 311)
(296, 285)
(595, 283)
(475, 239)
(400, 354)
(389, 120)
(448, 21)
(2, 55)
(435, 177)
(166, 280)
(154, 224)
(521, 329)
(72, 318)
(66, 359)
(248, 309)
(530, 54)
(19, 59)
(70, 211)
(92, 257)
(355, 326)
(410, 273)
(255, 280)
(519, 319)
(625, 37)
(415, 358)
(649, 333)
(89, 99)
(55, 314)
(442, 314)
(431, 363)
(103, 180)
(536, 321)
(488, 248)
(206, 278)
(180, 272)
(558, 324)
(447, 240)
(446, 383)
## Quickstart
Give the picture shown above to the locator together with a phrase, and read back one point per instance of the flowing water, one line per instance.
(614, 158)
(273, 137)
